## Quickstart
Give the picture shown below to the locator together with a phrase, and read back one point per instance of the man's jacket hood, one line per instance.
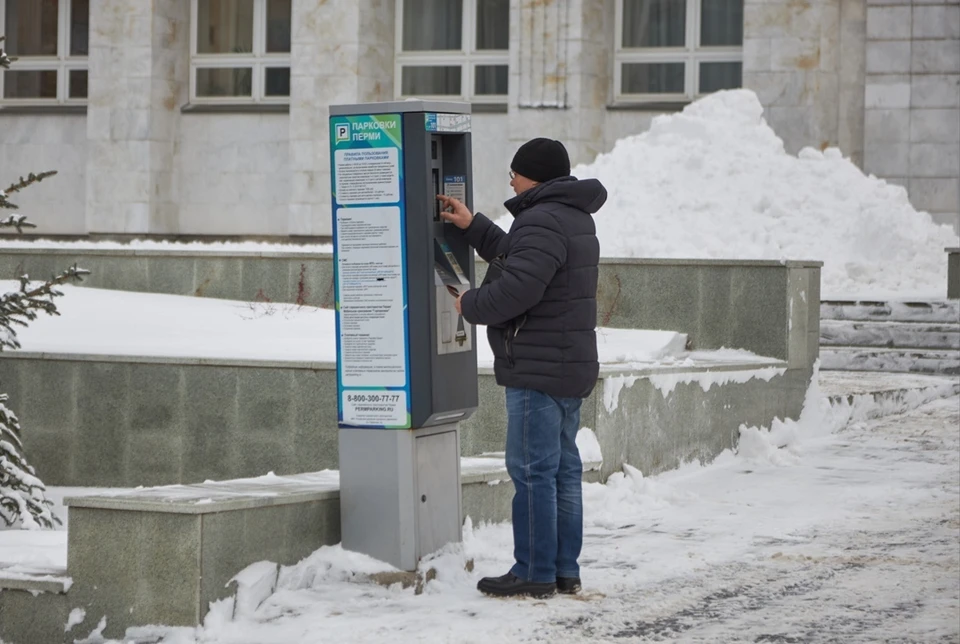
(587, 195)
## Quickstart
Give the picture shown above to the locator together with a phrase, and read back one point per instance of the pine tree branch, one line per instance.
(23, 497)
(19, 307)
(4, 59)
(16, 221)
(20, 185)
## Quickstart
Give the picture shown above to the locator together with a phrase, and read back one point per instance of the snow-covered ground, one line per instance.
(851, 536)
(833, 528)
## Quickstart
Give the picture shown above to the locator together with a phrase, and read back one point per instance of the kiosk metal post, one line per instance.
(406, 360)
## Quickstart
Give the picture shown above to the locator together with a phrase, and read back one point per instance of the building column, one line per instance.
(138, 72)
(559, 74)
(341, 53)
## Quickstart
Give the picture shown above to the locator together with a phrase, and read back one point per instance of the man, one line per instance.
(539, 304)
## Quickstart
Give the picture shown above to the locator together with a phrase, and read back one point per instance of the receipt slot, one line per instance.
(406, 360)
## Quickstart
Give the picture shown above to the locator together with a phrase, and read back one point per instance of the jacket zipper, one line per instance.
(508, 337)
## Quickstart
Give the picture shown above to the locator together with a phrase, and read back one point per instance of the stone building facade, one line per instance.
(183, 118)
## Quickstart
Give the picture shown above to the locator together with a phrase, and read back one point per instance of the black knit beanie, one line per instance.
(541, 160)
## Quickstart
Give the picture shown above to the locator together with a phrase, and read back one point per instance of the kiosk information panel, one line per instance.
(373, 383)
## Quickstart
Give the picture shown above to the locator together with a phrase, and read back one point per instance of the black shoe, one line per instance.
(568, 585)
(510, 585)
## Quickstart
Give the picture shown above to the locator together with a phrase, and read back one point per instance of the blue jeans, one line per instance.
(544, 463)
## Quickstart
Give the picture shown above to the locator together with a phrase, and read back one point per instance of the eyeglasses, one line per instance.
(513, 175)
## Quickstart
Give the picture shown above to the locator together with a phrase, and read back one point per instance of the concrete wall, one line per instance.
(341, 53)
(41, 142)
(38, 616)
(492, 152)
(166, 568)
(125, 422)
(757, 305)
(96, 420)
(233, 174)
(912, 100)
(953, 274)
(138, 75)
(277, 277)
(790, 58)
(128, 423)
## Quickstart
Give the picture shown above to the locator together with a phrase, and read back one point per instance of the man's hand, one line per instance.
(454, 211)
(458, 305)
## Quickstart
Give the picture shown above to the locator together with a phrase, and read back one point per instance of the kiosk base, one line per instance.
(400, 492)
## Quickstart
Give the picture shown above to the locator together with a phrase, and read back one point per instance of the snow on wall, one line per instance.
(667, 382)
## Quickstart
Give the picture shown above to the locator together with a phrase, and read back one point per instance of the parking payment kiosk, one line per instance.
(406, 360)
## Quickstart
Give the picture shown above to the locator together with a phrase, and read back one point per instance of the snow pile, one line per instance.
(628, 493)
(588, 446)
(715, 182)
(821, 416)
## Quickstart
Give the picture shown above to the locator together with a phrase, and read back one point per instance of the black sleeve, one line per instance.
(538, 248)
(484, 236)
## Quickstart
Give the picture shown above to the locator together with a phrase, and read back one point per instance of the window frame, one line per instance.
(259, 60)
(62, 63)
(691, 55)
(467, 58)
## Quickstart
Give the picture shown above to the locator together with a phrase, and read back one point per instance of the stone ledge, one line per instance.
(40, 110)
(498, 472)
(173, 360)
(171, 252)
(678, 261)
(208, 498)
(606, 370)
(302, 254)
(651, 106)
(35, 584)
(236, 108)
(245, 494)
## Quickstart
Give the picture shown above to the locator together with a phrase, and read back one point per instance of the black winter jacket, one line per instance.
(541, 312)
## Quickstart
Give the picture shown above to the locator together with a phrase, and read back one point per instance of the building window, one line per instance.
(677, 50)
(50, 40)
(240, 51)
(453, 49)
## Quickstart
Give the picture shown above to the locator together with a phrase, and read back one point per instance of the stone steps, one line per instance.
(932, 311)
(903, 335)
(885, 393)
(890, 359)
(897, 336)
